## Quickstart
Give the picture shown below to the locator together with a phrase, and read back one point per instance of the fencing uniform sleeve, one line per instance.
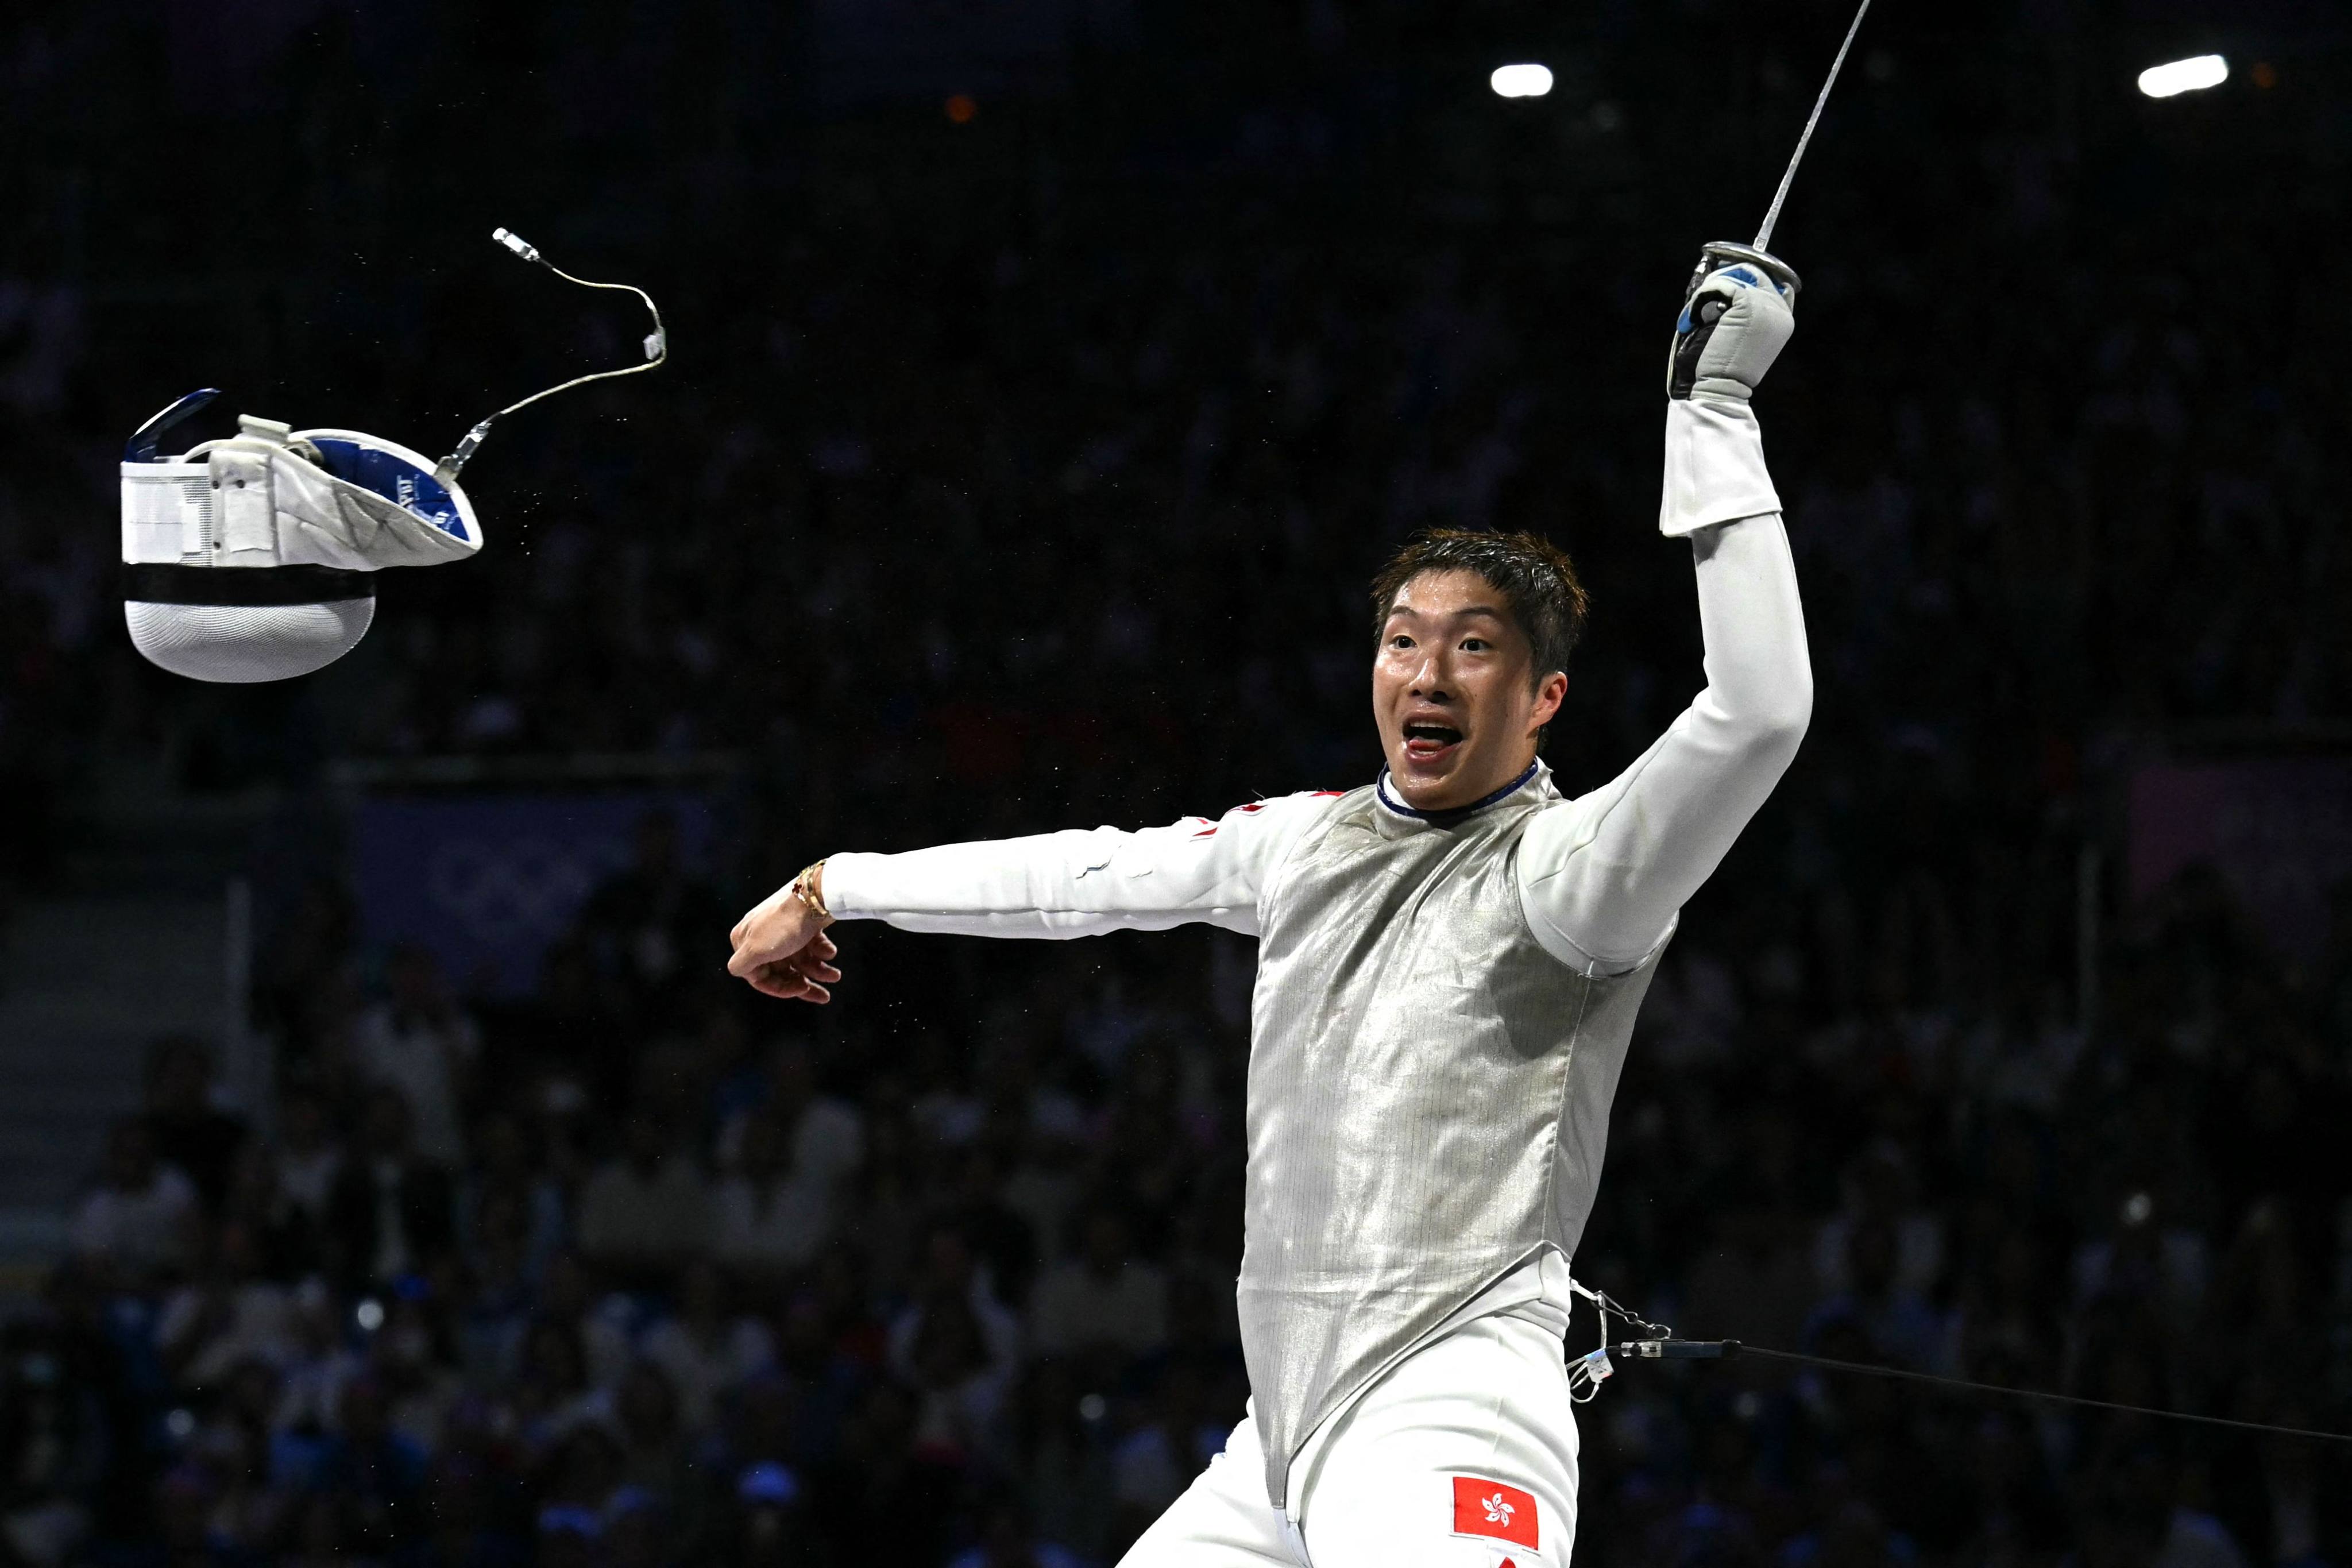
(1080, 882)
(1602, 877)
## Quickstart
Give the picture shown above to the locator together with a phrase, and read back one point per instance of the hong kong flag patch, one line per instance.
(1490, 1508)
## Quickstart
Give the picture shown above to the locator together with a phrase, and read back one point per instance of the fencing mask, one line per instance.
(254, 557)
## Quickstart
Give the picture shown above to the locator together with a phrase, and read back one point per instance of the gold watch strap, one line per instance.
(806, 889)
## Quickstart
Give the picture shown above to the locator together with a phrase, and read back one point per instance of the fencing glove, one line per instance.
(1736, 320)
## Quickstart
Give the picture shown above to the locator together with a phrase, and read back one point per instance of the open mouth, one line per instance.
(1427, 742)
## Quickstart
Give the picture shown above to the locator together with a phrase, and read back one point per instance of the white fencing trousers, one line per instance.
(1464, 1453)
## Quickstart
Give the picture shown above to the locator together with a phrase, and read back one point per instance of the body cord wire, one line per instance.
(1969, 1387)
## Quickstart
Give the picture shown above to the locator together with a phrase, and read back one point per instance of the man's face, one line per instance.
(1454, 694)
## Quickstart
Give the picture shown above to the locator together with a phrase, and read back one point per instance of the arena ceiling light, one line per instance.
(2181, 76)
(1521, 80)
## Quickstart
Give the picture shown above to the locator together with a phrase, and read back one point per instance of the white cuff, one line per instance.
(1715, 467)
(842, 890)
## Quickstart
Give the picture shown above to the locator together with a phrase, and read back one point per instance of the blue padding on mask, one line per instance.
(393, 476)
(150, 435)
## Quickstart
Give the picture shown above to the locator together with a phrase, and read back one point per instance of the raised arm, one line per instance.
(1603, 877)
(1054, 885)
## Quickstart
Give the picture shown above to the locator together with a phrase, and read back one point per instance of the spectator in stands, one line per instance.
(642, 924)
(951, 1279)
(322, 1533)
(1879, 1188)
(143, 1216)
(392, 1212)
(661, 1474)
(253, 1503)
(769, 1524)
(643, 1529)
(461, 1506)
(769, 1218)
(1892, 1319)
(229, 1314)
(701, 1350)
(184, 1501)
(412, 1368)
(1105, 1299)
(570, 1292)
(1060, 1434)
(551, 1390)
(304, 1162)
(420, 1041)
(569, 1536)
(188, 1130)
(510, 1187)
(1755, 1281)
(825, 1136)
(378, 1471)
(1164, 1446)
(1008, 1541)
(52, 1443)
(646, 1210)
(319, 1360)
(960, 1392)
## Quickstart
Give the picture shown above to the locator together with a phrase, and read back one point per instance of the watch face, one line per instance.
(398, 475)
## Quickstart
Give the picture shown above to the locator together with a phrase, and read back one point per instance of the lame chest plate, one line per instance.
(1429, 1094)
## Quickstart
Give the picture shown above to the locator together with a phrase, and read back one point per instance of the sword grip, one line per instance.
(1722, 253)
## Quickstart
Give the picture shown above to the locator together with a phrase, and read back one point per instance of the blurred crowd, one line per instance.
(718, 1283)
(1023, 472)
(465, 1305)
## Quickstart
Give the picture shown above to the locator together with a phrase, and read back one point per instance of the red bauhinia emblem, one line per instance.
(1490, 1508)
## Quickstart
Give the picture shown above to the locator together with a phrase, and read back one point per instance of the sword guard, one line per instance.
(1723, 253)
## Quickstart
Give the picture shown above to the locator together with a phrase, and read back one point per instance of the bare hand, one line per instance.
(781, 949)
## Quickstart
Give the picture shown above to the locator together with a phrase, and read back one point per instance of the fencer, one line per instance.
(1450, 959)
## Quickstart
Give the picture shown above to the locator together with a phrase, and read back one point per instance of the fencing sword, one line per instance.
(1724, 252)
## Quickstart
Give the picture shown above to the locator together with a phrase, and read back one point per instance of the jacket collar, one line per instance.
(1534, 783)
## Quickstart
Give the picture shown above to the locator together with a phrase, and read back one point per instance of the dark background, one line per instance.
(1020, 470)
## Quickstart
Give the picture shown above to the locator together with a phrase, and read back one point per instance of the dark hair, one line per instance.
(1535, 577)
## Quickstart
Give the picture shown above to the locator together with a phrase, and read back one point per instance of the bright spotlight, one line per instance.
(1520, 82)
(2181, 76)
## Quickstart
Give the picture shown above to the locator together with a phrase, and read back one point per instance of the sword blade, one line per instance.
(1764, 235)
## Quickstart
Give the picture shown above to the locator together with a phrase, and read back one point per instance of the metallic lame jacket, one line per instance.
(1428, 1097)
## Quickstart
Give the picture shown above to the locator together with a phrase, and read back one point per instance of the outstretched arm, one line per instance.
(1054, 885)
(1603, 877)
(1080, 882)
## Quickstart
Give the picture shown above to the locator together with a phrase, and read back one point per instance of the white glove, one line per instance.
(1733, 325)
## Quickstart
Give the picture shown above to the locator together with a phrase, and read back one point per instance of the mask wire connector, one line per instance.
(656, 345)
